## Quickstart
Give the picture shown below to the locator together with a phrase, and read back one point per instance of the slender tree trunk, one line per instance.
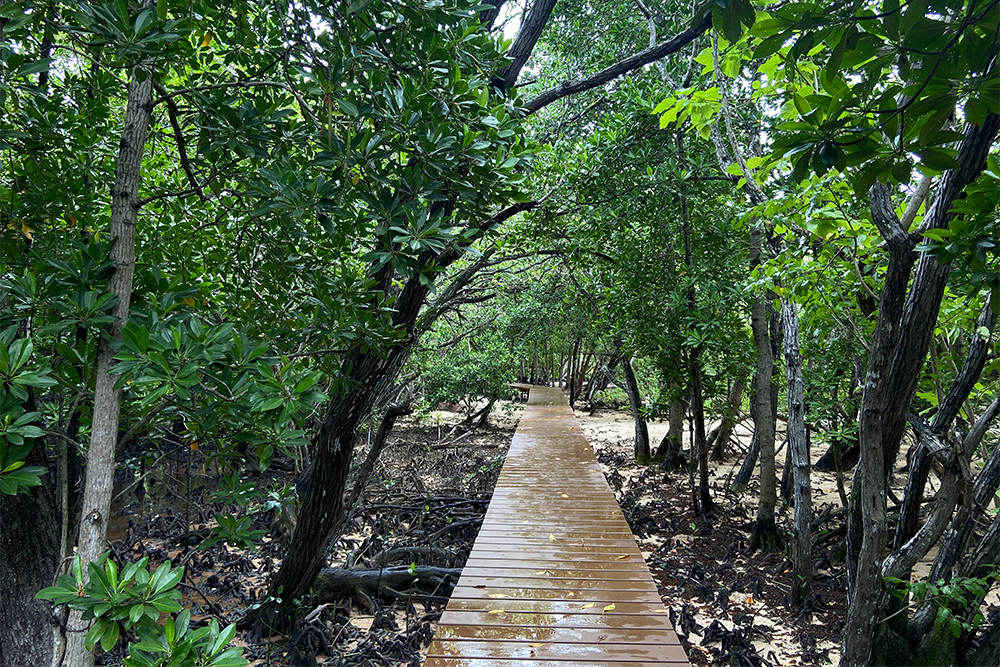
(745, 472)
(107, 400)
(635, 404)
(799, 448)
(700, 442)
(764, 535)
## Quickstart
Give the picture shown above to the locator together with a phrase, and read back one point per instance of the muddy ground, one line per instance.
(424, 506)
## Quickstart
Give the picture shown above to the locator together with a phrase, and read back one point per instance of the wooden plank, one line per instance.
(555, 577)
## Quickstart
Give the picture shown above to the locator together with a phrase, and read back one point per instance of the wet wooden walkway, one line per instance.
(555, 577)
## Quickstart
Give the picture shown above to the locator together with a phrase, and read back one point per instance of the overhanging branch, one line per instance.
(634, 62)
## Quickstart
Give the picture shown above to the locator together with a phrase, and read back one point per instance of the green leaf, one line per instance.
(34, 67)
(770, 46)
(936, 159)
(891, 20)
(110, 637)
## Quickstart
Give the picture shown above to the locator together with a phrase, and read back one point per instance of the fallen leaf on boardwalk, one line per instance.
(552, 537)
(610, 607)
(537, 645)
(497, 611)
(588, 605)
(661, 611)
(565, 496)
(571, 594)
(749, 600)
(601, 638)
(498, 595)
(625, 557)
(540, 572)
(480, 586)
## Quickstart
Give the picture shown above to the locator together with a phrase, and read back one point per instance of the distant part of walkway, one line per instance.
(555, 577)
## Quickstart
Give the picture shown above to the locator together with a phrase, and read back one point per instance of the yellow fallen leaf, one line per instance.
(496, 611)
(610, 607)
(624, 557)
(498, 595)
(552, 537)
(571, 594)
(749, 600)
(537, 645)
(661, 611)
(194, 446)
(588, 605)
(565, 496)
(540, 572)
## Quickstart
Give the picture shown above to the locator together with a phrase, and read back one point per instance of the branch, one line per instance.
(172, 113)
(915, 201)
(884, 217)
(525, 42)
(634, 62)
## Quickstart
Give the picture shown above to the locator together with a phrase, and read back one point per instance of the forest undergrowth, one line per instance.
(728, 606)
(420, 513)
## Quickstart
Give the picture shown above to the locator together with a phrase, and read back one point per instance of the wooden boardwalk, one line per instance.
(555, 577)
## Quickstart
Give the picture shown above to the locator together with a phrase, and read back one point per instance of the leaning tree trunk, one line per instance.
(799, 448)
(635, 404)
(107, 400)
(369, 374)
(720, 436)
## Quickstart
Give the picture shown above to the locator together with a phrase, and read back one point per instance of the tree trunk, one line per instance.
(333, 585)
(745, 472)
(764, 535)
(670, 452)
(720, 436)
(906, 323)
(700, 444)
(107, 400)
(799, 448)
(635, 404)
(29, 555)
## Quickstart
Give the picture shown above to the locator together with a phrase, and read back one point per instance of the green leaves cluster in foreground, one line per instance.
(130, 602)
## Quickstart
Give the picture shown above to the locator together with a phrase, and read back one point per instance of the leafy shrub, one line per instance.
(463, 377)
(131, 601)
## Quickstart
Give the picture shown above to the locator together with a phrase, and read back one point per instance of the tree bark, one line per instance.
(700, 444)
(332, 584)
(107, 400)
(718, 440)
(799, 448)
(764, 535)
(635, 404)
(632, 63)
(29, 555)
(524, 43)
(903, 332)
(670, 452)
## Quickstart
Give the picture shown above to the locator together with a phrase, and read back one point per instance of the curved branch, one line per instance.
(634, 62)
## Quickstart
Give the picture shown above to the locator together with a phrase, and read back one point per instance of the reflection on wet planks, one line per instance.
(555, 577)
